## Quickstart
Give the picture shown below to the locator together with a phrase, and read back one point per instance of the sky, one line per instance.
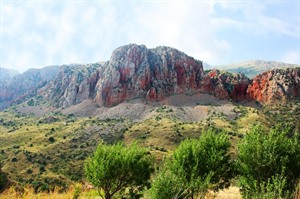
(38, 33)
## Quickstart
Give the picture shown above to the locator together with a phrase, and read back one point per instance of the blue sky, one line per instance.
(41, 33)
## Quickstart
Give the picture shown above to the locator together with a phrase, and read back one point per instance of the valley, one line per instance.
(52, 119)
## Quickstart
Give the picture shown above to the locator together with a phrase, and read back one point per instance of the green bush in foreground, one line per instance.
(114, 168)
(269, 164)
(3, 179)
(196, 166)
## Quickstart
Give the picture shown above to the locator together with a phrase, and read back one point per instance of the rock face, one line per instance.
(275, 86)
(225, 85)
(133, 71)
(25, 84)
(137, 72)
(72, 85)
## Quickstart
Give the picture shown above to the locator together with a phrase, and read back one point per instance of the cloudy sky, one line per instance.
(51, 32)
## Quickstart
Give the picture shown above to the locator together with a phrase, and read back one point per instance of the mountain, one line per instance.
(252, 68)
(134, 71)
(25, 84)
(155, 97)
(151, 75)
(275, 86)
(6, 74)
(226, 85)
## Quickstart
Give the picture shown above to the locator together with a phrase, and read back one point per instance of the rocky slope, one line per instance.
(73, 84)
(136, 72)
(25, 84)
(133, 71)
(275, 86)
(225, 85)
(7, 74)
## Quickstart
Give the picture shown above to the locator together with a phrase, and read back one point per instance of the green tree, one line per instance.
(113, 168)
(196, 166)
(3, 179)
(268, 163)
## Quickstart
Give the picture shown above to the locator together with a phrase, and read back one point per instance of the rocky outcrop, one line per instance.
(73, 84)
(275, 86)
(134, 71)
(225, 85)
(25, 84)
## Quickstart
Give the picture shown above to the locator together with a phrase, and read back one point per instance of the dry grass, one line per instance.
(230, 193)
(245, 123)
(77, 191)
(83, 193)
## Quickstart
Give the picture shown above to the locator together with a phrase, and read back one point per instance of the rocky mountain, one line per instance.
(25, 84)
(133, 71)
(151, 75)
(7, 74)
(252, 68)
(226, 85)
(275, 86)
(73, 84)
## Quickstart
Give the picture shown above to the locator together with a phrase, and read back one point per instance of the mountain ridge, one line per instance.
(134, 71)
(254, 67)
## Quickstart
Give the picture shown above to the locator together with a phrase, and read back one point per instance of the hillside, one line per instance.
(22, 86)
(56, 116)
(252, 68)
(7, 74)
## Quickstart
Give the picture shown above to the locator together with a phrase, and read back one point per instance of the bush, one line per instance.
(114, 168)
(51, 139)
(195, 167)
(3, 180)
(264, 158)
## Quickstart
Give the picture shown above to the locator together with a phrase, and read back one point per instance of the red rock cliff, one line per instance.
(275, 86)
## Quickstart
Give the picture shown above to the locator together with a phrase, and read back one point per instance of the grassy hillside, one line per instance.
(49, 151)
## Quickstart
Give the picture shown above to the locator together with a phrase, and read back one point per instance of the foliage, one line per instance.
(167, 185)
(264, 158)
(3, 179)
(112, 168)
(196, 166)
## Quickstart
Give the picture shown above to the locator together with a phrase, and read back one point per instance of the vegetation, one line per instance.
(269, 163)
(114, 168)
(3, 180)
(53, 149)
(196, 166)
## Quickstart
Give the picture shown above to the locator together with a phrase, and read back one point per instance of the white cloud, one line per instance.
(49, 33)
(291, 57)
(255, 19)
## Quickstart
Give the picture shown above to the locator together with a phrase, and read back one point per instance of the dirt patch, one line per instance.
(230, 193)
(37, 111)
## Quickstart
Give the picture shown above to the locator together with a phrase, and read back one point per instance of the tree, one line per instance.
(3, 179)
(268, 163)
(196, 166)
(113, 168)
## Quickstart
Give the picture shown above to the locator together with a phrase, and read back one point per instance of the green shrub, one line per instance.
(263, 158)
(77, 192)
(113, 168)
(195, 167)
(3, 180)
(51, 139)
